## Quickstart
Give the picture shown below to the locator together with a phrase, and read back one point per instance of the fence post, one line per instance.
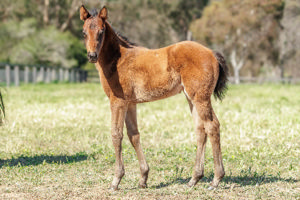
(77, 76)
(80, 76)
(48, 75)
(72, 76)
(26, 74)
(61, 75)
(53, 74)
(66, 75)
(17, 75)
(41, 75)
(7, 74)
(34, 74)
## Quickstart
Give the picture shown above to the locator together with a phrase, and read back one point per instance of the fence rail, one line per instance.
(93, 76)
(260, 80)
(14, 74)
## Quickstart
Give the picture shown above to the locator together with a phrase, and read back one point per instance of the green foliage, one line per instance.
(143, 22)
(12, 32)
(185, 12)
(290, 40)
(77, 50)
(27, 44)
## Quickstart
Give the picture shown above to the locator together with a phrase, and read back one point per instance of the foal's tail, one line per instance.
(221, 86)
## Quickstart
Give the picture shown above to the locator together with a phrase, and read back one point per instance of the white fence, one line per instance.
(14, 74)
(260, 80)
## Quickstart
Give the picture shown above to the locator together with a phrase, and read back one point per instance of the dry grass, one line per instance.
(56, 145)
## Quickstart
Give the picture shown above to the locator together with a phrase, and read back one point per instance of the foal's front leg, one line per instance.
(118, 111)
(134, 137)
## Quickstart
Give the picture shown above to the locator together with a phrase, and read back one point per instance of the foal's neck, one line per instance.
(112, 45)
(110, 50)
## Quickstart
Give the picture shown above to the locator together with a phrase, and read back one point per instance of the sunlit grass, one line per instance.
(56, 144)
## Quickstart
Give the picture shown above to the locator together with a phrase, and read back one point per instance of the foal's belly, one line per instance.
(141, 95)
(155, 88)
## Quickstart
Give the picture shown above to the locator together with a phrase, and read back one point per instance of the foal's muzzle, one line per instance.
(92, 56)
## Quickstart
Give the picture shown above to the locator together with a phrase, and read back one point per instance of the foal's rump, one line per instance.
(198, 66)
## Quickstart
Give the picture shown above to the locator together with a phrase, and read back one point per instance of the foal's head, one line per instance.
(93, 31)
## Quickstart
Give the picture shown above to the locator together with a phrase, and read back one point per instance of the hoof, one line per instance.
(189, 185)
(192, 182)
(143, 185)
(212, 188)
(113, 188)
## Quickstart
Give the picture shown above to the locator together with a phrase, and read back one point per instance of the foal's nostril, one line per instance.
(92, 55)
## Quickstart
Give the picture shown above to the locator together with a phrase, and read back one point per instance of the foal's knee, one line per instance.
(212, 128)
(144, 169)
(120, 173)
(117, 135)
(134, 137)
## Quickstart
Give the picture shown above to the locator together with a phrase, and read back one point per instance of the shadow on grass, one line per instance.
(239, 180)
(178, 180)
(40, 159)
(256, 180)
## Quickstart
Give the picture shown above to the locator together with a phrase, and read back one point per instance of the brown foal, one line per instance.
(132, 74)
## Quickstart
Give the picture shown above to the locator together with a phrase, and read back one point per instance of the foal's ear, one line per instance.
(84, 13)
(103, 13)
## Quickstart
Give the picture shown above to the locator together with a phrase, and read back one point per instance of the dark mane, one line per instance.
(125, 39)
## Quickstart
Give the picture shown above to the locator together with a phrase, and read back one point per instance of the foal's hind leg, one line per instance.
(207, 124)
(201, 142)
(213, 130)
(134, 137)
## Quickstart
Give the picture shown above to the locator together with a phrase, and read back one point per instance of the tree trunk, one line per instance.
(72, 11)
(46, 14)
(103, 2)
(237, 66)
(189, 35)
(236, 76)
(57, 9)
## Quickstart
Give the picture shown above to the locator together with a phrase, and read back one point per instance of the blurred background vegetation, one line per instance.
(259, 38)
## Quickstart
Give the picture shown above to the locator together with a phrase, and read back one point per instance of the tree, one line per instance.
(246, 31)
(290, 40)
(184, 13)
(26, 44)
(144, 22)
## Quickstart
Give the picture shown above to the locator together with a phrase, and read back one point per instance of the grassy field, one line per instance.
(56, 144)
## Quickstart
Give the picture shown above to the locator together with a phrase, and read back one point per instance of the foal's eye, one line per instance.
(100, 35)
(84, 34)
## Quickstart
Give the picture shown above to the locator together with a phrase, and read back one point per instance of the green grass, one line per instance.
(56, 144)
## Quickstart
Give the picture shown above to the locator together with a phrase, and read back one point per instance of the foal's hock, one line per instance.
(131, 74)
